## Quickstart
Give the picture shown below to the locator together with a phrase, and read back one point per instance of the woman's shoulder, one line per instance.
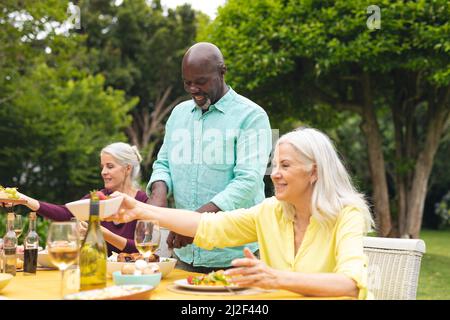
(140, 195)
(350, 213)
(269, 206)
(270, 202)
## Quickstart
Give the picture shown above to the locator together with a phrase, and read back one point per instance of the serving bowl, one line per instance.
(80, 208)
(43, 259)
(5, 278)
(152, 279)
(166, 265)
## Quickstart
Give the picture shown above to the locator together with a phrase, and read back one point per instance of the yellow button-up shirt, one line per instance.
(331, 247)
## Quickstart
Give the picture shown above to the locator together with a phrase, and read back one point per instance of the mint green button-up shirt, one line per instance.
(219, 156)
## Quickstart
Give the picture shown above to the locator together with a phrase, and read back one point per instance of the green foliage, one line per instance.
(63, 125)
(305, 59)
(56, 115)
(139, 48)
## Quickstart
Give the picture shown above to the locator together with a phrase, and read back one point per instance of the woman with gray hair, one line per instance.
(120, 165)
(310, 234)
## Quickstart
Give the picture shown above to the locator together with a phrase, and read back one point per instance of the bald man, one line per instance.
(214, 155)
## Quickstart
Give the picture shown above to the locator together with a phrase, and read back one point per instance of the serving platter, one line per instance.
(12, 201)
(121, 292)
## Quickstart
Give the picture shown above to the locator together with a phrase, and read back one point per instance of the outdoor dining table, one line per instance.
(45, 285)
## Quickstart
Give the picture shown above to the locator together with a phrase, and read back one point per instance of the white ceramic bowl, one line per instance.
(80, 208)
(165, 267)
(44, 259)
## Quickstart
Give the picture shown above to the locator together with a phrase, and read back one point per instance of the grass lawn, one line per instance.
(434, 279)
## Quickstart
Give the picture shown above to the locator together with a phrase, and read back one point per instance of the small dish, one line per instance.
(152, 279)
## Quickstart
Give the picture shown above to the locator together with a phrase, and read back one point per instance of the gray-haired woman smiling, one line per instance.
(120, 166)
(310, 234)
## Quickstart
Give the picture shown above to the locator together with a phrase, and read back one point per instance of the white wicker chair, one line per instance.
(394, 266)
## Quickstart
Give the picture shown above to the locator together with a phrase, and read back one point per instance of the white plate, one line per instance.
(184, 284)
(80, 208)
(122, 292)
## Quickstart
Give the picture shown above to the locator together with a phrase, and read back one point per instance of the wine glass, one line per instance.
(18, 225)
(62, 245)
(81, 227)
(147, 237)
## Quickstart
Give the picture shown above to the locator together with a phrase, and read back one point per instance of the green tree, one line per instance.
(55, 113)
(307, 54)
(139, 49)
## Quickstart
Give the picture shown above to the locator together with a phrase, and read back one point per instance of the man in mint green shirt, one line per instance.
(214, 155)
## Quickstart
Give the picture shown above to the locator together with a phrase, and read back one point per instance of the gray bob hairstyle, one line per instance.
(333, 189)
(126, 154)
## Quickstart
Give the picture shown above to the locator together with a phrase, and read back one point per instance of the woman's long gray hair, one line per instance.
(333, 189)
(126, 154)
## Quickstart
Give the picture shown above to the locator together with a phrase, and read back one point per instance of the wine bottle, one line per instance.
(31, 246)
(10, 246)
(93, 251)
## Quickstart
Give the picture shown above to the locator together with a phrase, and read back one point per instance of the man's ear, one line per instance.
(223, 69)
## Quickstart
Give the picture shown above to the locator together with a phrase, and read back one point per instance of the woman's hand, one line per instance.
(82, 228)
(129, 209)
(251, 272)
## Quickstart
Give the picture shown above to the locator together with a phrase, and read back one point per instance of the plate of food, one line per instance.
(116, 262)
(213, 281)
(10, 195)
(122, 292)
(107, 206)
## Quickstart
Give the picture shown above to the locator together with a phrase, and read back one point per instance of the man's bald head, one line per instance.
(205, 55)
(203, 72)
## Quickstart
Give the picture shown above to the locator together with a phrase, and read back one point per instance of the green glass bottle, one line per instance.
(93, 251)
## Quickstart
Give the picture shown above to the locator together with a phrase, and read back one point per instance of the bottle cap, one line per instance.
(11, 216)
(32, 215)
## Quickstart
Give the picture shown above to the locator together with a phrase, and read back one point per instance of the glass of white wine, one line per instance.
(62, 246)
(18, 225)
(147, 237)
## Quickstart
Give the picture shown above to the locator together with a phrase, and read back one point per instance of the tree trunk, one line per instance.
(399, 174)
(371, 130)
(438, 117)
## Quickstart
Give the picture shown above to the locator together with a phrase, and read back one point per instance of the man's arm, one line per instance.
(158, 196)
(174, 240)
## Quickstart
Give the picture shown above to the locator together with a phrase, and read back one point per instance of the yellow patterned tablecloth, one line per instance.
(45, 285)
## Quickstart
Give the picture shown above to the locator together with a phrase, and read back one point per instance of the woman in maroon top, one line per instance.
(120, 165)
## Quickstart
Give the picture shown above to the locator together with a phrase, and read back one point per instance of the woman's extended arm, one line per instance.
(47, 210)
(183, 222)
(32, 204)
